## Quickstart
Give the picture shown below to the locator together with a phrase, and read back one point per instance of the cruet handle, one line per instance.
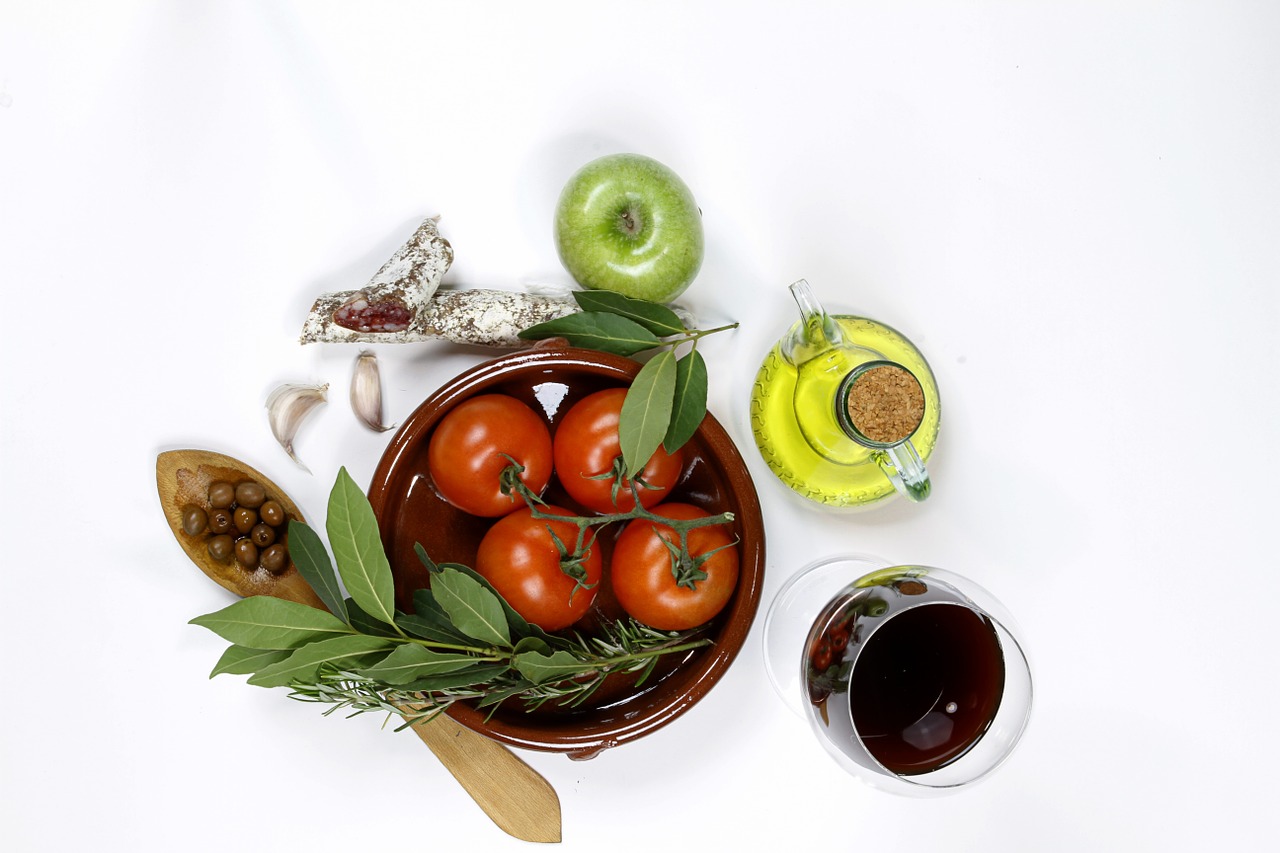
(816, 332)
(904, 468)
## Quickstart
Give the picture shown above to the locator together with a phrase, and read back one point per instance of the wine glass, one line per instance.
(914, 679)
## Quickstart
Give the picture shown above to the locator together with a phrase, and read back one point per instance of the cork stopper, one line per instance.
(885, 404)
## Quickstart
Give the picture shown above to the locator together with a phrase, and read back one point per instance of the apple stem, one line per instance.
(629, 222)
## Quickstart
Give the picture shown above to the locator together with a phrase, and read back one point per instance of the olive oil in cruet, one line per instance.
(801, 423)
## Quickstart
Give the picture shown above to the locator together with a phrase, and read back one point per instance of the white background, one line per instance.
(1071, 208)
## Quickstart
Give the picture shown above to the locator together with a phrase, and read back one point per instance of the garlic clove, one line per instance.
(287, 407)
(366, 392)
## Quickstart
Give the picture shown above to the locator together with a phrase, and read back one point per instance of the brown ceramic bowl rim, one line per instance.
(589, 739)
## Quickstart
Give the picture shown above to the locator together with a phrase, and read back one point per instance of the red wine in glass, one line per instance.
(906, 675)
(926, 687)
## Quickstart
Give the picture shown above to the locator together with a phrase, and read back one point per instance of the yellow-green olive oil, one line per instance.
(843, 474)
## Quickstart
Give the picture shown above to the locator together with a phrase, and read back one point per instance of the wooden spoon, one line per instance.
(510, 792)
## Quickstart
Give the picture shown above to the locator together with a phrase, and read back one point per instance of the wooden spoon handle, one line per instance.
(510, 792)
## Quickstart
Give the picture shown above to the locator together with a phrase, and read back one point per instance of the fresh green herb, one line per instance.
(646, 410)
(313, 564)
(463, 642)
(668, 399)
(353, 535)
(689, 402)
(533, 674)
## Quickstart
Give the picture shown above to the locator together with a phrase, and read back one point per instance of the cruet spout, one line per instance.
(815, 333)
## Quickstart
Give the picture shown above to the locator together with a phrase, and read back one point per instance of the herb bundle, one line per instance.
(668, 398)
(461, 642)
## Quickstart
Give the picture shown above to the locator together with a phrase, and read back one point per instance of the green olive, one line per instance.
(275, 558)
(250, 494)
(262, 534)
(194, 520)
(245, 519)
(221, 495)
(220, 521)
(220, 547)
(272, 513)
(246, 553)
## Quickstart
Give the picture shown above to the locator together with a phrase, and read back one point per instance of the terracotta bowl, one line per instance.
(715, 478)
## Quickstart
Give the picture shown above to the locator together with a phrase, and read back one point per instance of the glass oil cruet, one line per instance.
(845, 409)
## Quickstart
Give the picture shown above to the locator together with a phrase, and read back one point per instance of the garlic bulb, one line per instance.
(366, 391)
(287, 407)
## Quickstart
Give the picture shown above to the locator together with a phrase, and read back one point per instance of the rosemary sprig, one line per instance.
(625, 647)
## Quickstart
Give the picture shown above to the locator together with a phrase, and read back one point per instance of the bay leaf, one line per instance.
(430, 622)
(423, 557)
(596, 330)
(263, 622)
(540, 668)
(313, 563)
(357, 547)
(366, 624)
(476, 674)
(659, 319)
(689, 402)
(410, 662)
(473, 609)
(646, 411)
(518, 625)
(241, 660)
(353, 651)
(532, 644)
(435, 630)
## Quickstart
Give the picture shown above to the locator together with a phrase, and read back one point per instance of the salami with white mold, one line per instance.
(402, 304)
(489, 318)
(396, 300)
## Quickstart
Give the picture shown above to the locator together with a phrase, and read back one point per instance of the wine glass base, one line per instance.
(791, 615)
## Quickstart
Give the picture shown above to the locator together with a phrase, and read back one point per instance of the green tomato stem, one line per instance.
(685, 568)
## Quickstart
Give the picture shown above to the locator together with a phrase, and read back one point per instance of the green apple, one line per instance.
(628, 224)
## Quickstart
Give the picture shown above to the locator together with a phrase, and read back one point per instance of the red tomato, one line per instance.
(641, 571)
(822, 656)
(521, 560)
(465, 455)
(586, 447)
